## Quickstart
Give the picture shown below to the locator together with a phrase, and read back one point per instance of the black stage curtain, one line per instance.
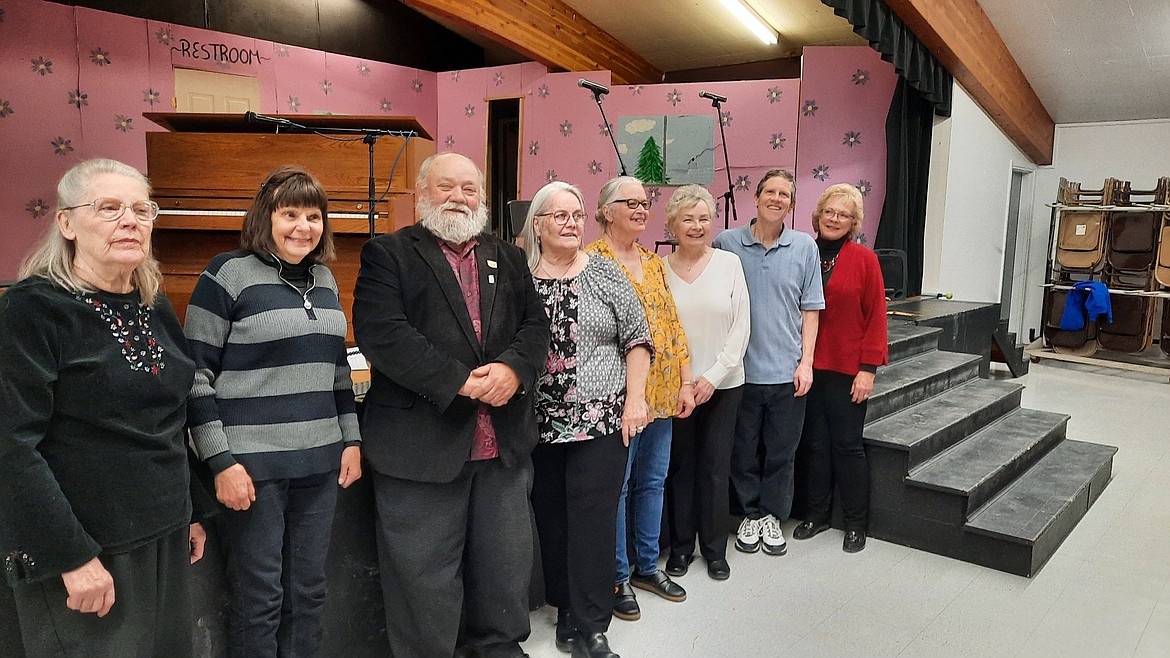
(908, 137)
(888, 35)
(924, 89)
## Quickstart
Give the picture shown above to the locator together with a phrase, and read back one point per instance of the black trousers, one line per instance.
(452, 549)
(151, 615)
(697, 489)
(835, 452)
(276, 554)
(767, 433)
(575, 492)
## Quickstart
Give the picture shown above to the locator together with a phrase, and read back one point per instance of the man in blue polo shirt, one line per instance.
(784, 284)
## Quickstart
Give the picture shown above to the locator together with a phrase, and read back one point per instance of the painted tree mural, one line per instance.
(650, 167)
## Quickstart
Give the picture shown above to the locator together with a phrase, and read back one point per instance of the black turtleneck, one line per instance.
(296, 274)
(829, 251)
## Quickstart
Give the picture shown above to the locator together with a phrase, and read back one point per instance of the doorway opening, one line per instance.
(503, 157)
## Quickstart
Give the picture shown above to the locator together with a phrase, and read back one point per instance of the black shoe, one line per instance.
(809, 529)
(854, 541)
(593, 645)
(661, 584)
(718, 569)
(567, 636)
(677, 565)
(625, 604)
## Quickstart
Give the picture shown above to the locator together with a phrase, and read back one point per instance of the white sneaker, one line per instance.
(747, 538)
(772, 536)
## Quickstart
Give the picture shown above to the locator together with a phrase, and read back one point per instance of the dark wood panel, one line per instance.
(550, 32)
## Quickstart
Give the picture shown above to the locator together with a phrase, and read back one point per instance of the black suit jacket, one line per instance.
(412, 324)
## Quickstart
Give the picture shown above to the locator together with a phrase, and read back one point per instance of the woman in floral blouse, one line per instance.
(622, 211)
(590, 402)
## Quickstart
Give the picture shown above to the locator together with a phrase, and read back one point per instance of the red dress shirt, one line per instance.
(461, 258)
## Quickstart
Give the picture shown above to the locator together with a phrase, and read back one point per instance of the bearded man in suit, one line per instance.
(456, 337)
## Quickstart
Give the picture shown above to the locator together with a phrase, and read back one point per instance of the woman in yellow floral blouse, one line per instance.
(622, 211)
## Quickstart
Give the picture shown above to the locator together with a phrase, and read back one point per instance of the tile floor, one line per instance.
(1106, 591)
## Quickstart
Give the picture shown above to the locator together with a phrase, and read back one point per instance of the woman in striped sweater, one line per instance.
(272, 412)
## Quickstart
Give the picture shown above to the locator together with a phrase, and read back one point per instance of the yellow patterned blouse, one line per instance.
(666, 331)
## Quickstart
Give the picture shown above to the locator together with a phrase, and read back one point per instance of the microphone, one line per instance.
(252, 117)
(600, 90)
(711, 96)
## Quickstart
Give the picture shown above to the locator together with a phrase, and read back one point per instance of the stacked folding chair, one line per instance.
(1130, 254)
(1080, 254)
(1162, 260)
(1120, 237)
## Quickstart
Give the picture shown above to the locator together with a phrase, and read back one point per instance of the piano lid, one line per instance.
(217, 122)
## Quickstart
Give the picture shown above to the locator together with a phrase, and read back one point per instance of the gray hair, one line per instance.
(609, 194)
(424, 170)
(53, 256)
(540, 201)
(687, 196)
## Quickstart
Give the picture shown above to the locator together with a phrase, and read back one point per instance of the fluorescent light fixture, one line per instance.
(752, 20)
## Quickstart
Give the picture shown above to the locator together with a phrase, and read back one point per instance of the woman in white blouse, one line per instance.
(711, 294)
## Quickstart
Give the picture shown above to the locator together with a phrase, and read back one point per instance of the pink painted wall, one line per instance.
(107, 69)
(845, 95)
(563, 137)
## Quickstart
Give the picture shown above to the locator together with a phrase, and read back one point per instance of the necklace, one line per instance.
(693, 263)
(312, 283)
(827, 265)
(544, 266)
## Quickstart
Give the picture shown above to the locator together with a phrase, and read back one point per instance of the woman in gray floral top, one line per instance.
(589, 402)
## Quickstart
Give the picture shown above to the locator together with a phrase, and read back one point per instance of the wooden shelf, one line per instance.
(1150, 365)
(1153, 207)
(1164, 294)
(221, 122)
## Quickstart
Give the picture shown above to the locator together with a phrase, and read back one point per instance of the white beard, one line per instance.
(452, 222)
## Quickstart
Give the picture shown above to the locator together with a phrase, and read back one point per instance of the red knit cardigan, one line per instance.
(852, 328)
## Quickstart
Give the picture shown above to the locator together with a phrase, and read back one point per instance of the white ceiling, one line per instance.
(1091, 60)
(1088, 60)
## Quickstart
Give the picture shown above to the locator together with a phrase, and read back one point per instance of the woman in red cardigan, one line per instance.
(851, 344)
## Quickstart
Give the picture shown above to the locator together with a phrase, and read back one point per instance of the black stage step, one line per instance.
(958, 468)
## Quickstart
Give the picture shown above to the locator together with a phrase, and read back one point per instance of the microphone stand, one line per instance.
(370, 137)
(729, 195)
(597, 97)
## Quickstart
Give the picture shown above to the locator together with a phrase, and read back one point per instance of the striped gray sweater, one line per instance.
(272, 386)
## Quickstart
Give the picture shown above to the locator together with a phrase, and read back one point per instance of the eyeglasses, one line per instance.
(561, 217)
(111, 209)
(829, 213)
(633, 204)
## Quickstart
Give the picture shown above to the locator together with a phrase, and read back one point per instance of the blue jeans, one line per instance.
(645, 483)
(276, 566)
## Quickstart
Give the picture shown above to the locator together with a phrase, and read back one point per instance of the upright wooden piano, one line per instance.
(207, 169)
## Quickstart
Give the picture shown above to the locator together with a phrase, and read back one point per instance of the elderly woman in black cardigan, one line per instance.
(95, 505)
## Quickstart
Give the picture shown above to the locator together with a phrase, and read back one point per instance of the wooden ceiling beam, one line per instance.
(961, 36)
(550, 32)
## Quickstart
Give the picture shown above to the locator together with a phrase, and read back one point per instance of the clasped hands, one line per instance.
(493, 383)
